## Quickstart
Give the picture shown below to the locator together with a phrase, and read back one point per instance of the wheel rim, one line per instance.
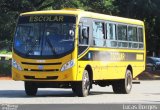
(128, 81)
(86, 82)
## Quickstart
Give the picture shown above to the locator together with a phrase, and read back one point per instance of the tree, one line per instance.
(147, 11)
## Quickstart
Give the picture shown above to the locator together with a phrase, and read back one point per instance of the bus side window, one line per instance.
(140, 37)
(132, 37)
(83, 35)
(98, 34)
(111, 35)
(122, 36)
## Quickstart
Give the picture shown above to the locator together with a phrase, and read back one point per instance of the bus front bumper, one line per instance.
(44, 76)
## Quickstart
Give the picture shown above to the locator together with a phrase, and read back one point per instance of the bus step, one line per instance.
(135, 82)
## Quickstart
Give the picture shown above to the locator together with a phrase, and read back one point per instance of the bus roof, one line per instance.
(82, 13)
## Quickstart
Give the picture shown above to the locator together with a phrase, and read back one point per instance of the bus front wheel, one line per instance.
(82, 88)
(30, 88)
(123, 86)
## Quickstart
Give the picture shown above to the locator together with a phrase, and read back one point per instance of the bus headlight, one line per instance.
(16, 65)
(68, 65)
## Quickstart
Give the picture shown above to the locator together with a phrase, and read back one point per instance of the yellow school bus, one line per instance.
(73, 48)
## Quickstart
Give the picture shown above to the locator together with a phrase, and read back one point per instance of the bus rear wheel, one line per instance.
(123, 86)
(82, 88)
(30, 88)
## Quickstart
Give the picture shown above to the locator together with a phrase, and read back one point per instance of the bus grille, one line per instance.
(43, 70)
(48, 77)
(57, 63)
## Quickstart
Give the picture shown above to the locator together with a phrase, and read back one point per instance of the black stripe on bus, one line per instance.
(111, 56)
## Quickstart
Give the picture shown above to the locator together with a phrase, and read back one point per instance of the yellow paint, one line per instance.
(67, 75)
(139, 56)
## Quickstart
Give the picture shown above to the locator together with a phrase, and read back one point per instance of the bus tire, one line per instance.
(123, 86)
(30, 88)
(82, 88)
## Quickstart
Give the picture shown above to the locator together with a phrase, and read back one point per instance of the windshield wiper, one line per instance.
(51, 46)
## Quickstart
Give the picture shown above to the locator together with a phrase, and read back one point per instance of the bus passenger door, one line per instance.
(83, 46)
(83, 39)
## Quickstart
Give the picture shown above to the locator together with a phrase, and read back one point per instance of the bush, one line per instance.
(5, 47)
(5, 52)
(5, 68)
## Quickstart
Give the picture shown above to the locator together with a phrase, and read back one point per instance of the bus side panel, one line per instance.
(102, 70)
(113, 68)
(138, 68)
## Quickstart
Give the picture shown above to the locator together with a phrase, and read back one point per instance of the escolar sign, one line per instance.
(46, 18)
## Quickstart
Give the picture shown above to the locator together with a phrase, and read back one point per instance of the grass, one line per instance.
(5, 52)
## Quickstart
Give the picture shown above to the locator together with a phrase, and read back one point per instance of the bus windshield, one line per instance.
(44, 35)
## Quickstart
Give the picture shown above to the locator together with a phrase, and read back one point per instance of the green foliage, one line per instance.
(5, 52)
(10, 9)
(147, 11)
(5, 68)
(101, 6)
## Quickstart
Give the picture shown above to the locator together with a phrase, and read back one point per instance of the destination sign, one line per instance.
(46, 18)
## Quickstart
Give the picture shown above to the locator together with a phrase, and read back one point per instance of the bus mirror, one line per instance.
(71, 33)
(84, 33)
